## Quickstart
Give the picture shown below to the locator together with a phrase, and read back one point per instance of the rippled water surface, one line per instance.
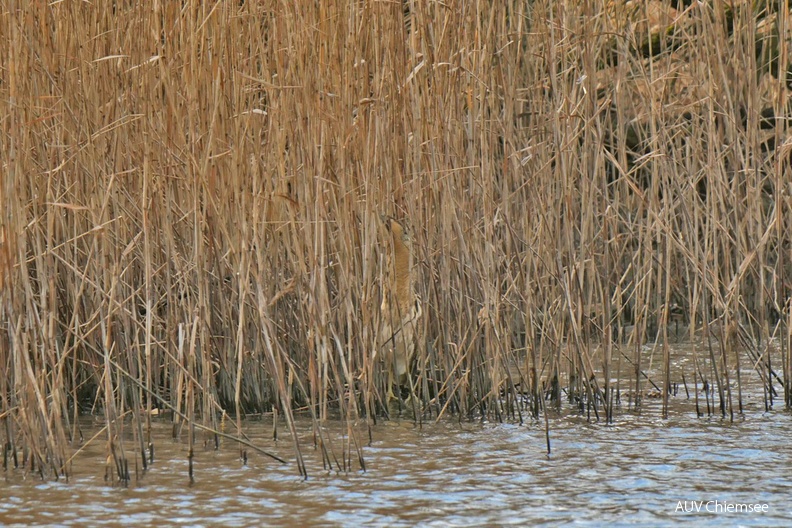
(634, 472)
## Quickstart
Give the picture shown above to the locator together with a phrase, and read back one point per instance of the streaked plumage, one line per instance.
(401, 307)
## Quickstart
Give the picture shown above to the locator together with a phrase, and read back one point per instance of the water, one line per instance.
(634, 472)
(640, 471)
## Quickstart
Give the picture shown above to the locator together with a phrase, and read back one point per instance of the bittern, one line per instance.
(401, 308)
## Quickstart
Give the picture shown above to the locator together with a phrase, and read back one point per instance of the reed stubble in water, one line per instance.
(190, 198)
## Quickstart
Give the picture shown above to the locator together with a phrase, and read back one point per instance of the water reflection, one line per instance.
(448, 474)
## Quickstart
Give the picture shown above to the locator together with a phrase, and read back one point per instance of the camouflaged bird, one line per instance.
(401, 308)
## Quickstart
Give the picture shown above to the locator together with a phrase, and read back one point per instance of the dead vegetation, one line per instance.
(191, 194)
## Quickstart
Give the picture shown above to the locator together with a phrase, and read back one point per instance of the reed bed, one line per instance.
(191, 194)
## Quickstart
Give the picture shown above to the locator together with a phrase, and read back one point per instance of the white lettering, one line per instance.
(689, 506)
(716, 506)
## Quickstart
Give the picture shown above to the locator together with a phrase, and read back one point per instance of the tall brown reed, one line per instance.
(190, 195)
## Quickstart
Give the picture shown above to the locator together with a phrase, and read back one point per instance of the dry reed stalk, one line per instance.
(190, 192)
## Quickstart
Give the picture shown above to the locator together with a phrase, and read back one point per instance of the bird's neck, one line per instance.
(402, 264)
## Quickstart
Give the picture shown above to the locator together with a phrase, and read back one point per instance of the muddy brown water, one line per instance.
(640, 470)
